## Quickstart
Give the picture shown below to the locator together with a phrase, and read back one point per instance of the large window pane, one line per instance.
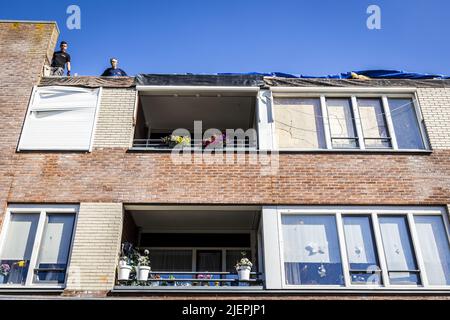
(361, 251)
(55, 247)
(435, 248)
(18, 247)
(342, 126)
(373, 123)
(299, 123)
(398, 249)
(406, 126)
(311, 250)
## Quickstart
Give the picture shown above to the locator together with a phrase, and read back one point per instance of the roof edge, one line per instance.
(32, 22)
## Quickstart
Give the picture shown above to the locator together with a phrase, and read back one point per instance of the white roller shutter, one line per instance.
(60, 118)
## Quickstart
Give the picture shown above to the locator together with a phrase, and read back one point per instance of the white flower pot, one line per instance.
(142, 273)
(244, 273)
(124, 272)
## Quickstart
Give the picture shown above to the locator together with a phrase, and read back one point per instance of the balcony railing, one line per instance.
(191, 279)
(196, 144)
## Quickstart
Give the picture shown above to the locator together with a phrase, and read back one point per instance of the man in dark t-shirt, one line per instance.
(114, 71)
(60, 60)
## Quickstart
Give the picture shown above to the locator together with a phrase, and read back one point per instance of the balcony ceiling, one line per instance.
(224, 112)
(154, 220)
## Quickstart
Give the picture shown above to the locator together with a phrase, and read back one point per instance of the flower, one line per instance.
(215, 140)
(177, 140)
(244, 262)
(21, 263)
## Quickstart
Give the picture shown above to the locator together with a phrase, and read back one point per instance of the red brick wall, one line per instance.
(24, 48)
(113, 175)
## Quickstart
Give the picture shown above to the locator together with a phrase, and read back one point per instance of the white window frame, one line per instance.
(374, 213)
(353, 94)
(43, 211)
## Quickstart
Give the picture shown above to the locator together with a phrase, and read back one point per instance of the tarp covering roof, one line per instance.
(232, 80)
(373, 74)
(367, 78)
(318, 82)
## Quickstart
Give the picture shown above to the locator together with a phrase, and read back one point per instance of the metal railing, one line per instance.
(187, 279)
(196, 144)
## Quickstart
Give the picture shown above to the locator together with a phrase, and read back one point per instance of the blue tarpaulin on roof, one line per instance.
(374, 74)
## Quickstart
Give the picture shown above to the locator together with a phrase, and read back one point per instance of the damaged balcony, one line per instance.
(193, 248)
(196, 120)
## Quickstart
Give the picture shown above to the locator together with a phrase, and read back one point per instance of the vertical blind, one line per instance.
(20, 237)
(435, 248)
(56, 239)
(60, 118)
(342, 126)
(359, 241)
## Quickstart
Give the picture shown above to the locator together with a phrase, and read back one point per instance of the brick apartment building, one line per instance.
(344, 191)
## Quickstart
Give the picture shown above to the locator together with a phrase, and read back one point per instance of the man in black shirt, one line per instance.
(114, 71)
(59, 61)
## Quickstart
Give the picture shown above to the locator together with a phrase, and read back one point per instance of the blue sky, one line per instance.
(208, 36)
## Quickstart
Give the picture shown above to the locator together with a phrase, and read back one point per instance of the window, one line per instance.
(357, 247)
(299, 124)
(373, 123)
(342, 126)
(18, 246)
(362, 257)
(401, 262)
(171, 260)
(311, 254)
(50, 232)
(55, 247)
(405, 123)
(435, 248)
(60, 118)
(366, 122)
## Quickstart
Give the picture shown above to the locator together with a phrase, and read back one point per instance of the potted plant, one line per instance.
(143, 266)
(243, 267)
(124, 267)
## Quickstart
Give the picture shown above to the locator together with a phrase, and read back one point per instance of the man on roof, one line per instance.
(60, 60)
(114, 71)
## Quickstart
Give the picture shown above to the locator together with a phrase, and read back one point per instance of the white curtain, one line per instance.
(397, 244)
(310, 239)
(359, 240)
(435, 248)
(299, 123)
(19, 240)
(56, 239)
(341, 118)
(60, 118)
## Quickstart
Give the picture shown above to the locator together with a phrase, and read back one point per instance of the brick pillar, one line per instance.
(95, 249)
